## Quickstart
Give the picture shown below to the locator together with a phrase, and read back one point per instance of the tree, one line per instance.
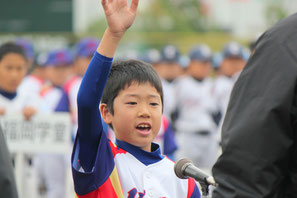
(275, 11)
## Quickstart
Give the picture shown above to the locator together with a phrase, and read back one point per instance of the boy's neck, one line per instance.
(198, 79)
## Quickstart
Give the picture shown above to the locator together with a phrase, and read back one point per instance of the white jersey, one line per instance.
(196, 105)
(21, 100)
(53, 97)
(169, 98)
(153, 180)
(222, 91)
(31, 84)
(131, 172)
(195, 125)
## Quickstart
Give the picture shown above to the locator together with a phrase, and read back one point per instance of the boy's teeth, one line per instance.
(143, 125)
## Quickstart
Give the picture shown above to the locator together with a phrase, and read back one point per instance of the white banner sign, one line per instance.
(43, 133)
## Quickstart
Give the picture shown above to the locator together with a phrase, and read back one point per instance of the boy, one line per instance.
(132, 105)
(195, 124)
(84, 51)
(233, 61)
(52, 167)
(13, 68)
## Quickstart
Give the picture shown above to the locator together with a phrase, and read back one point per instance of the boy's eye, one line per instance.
(131, 103)
(9, 68)
(154, 104)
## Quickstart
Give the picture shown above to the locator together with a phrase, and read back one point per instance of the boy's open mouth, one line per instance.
(143, 128)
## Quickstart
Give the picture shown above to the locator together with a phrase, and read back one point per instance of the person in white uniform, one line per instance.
(166, 63)
(36, 80)
(195, 124)
(52, 167)
(13, 68)
(233, 62)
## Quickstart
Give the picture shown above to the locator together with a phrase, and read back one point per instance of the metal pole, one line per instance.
(19, 172)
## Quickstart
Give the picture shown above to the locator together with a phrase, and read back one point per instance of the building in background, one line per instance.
(36, 16)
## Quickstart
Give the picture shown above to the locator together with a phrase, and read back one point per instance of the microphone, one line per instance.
(185, 168)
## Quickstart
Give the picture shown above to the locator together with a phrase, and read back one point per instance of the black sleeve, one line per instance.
(7, 180)
(259, 138)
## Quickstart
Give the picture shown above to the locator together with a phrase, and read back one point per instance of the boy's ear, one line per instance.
(105, 113)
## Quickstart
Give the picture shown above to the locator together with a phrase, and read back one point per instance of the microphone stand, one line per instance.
(204, 189)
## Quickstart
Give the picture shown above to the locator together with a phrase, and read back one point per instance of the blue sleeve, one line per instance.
(89, 96)
(170, 145)
(63, 105)
(92, 159)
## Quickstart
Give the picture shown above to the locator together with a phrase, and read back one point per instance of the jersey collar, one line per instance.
(8, 95)
(145, 157)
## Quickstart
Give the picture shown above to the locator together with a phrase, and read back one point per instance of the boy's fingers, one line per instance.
(103, 2)
(134, 6)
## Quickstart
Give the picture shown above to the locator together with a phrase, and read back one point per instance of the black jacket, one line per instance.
(7, 181)
(259, 134)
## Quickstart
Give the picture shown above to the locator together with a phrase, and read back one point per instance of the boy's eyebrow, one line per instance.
(149, 96)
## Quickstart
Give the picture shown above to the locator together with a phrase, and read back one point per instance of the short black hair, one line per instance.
(123, 74)
(11, 47)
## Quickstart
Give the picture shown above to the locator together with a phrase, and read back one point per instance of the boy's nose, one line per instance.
(14, 74)
(143, 111)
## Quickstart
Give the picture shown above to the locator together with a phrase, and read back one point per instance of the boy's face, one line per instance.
(137, 115)
(168, 70)
(58, 75)
(13, 68)
(232, 65)
(81, 65)
(199, 69)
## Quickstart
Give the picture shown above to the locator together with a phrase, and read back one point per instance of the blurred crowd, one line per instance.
(196, 87)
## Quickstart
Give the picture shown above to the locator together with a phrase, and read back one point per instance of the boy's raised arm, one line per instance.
(119, 16)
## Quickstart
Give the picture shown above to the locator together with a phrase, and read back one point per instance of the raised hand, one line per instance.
(119, 15)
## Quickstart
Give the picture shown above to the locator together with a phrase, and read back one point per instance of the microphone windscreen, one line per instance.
(180, 166)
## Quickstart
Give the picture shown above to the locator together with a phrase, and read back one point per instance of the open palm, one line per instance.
(119, 15)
